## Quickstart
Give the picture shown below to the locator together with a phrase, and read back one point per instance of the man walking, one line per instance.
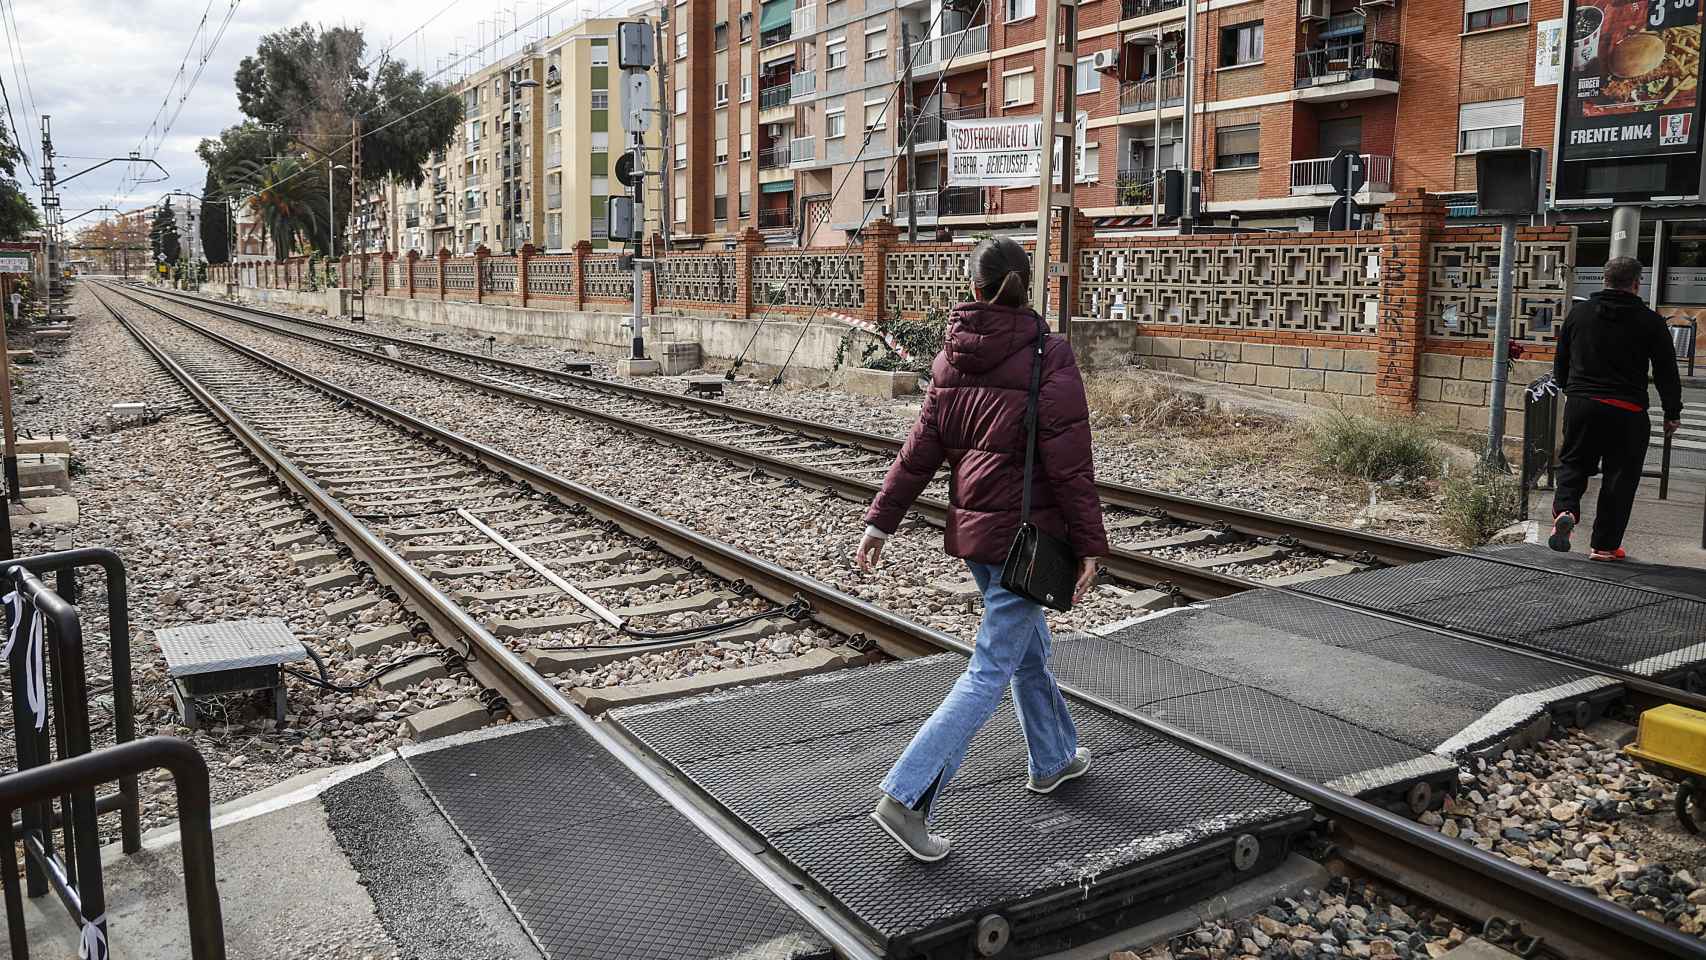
(1604, 352)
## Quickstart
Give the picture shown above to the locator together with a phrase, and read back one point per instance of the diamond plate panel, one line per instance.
(231, 645)
(1525, 609)
(593, 867)
(1687, 581)
(1651, 640)
(1389, 588)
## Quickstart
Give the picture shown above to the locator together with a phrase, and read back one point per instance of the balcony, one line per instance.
(922, 202)
(805, 19)
(960, 202)
(411, 221)
(1144, 8)
(781, 34)
(1348, 71)
(964, 43)
(473, 147)
(1136, 187)
(773, 156)
(802, 151)
(802, 84)
(554, 159)
(600, 231)
(779, 219)
(440, 219)
(554, 118)
(439, 186)
(1140, 95)
(922, 53)
(775, 95)
(1315, 175)
(553, 199)
(471, 181)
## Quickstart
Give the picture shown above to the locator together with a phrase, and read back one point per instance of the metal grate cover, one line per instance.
(1685, 581)
(595, 865)
(231, 645)
(799, 763)
(1389, 588)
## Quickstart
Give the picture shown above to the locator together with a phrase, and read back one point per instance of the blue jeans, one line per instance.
(1012, 648)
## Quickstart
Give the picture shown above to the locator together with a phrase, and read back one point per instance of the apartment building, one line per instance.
(797, 122)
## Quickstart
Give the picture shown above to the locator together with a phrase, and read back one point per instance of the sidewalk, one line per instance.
(1660, 531)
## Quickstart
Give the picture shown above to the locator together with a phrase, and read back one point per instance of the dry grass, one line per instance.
(1143, 403)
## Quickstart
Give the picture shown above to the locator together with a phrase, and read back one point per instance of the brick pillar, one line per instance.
(747, 248)
(409, 262)
(879, 237)
(583, 249)
(1412, 221)
(385, 261)
(527, 252)
(1081, 235)
(443, 258)
(480, 256)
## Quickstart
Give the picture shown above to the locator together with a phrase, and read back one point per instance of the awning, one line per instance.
(776, 13)
(778, 186)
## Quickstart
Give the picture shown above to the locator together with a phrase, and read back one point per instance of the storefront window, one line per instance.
(1684, 264)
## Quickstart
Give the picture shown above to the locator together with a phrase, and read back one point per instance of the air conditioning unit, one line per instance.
(1105, 60)
(1314, 10)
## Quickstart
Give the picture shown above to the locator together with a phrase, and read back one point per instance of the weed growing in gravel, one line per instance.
(1379, 449)
(1478, 504)
(1144, 403)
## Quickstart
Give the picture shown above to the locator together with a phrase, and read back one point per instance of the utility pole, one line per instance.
(666, 120)
(908, 125)
(1060, 52)
(1187, 221)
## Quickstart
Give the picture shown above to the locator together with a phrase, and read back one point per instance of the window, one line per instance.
(875, 179)
(745, 205)
(680, 155)
(745, 27)
(1017, 88)
(1091, 168)
(722, 89)
(745, 87)
(722, 149)
(1089, 80)
(876, 45)
(1020, 9)
(600, 100)
(746, 146)
(1344, 133)
(680, 208)
(835, 54)
(875, 115)
(1493, 123)
(680, 99)
(680, 44)
(835, 124)
(720, 36)
(1239, 146)
(719, 208)
(1487, 14)
(601, 55)
(1241, 44)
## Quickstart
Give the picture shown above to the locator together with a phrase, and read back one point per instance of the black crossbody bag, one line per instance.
(1039, 567)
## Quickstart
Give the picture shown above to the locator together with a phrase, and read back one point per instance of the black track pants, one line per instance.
(1600, 437)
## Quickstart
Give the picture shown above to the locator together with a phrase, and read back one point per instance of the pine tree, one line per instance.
(164, 238)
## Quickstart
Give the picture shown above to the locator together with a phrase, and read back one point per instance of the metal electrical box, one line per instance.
(635, 47)
(619, 218)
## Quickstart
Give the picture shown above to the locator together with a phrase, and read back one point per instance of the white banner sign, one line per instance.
(1548, 52)
(11, 262)
(1003, 152)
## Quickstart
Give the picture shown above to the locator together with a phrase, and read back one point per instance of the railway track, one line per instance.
(1196, 548)
(283, 416)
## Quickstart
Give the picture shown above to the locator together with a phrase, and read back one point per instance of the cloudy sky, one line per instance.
(101, 69)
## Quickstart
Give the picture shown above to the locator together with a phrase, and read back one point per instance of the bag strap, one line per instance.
(1031, 423)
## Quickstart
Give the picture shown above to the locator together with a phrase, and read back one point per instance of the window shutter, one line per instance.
(1491, 113)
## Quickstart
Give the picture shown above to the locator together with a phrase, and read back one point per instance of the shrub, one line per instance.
(1380, 450)
(920, 338)
(1479, 504)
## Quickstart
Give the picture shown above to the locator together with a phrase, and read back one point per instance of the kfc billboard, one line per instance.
(1632, 81)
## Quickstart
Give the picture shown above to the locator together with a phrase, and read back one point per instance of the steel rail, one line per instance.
(1563, 913)
(1128, 565)
(1317, 536)
(510, 672)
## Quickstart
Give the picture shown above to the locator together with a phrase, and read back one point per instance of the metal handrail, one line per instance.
(124, 762)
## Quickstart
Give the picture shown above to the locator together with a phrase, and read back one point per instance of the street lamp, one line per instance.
(509, 207)
(332, 210)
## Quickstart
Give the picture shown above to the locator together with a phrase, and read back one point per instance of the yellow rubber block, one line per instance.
(1674, 736)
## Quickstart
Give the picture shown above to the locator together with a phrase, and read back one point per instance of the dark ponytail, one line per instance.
(1001, 272)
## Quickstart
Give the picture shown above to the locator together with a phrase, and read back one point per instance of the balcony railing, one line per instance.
(411, 221)
(554, 119)
(781, 34)
(923, 202)
(775, 95)
(440, 186)
(554, 158)
(1139, 95)
(802, 150)
(773, 156)
(805, 20)
(923, 53)
(600, 231)
(553, 199)
(471, 181)
(1143, 8)
(473, 147)
(976, 40)
(776, 219)
(1136, 187)
(440, 218)
(802, 84)
(1315, 175)
(960, 201)
(1344, 62)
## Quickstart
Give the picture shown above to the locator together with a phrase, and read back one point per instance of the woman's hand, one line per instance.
(869, 552)
(1086, 578)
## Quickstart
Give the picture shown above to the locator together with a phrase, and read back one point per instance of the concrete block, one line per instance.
(599, 699)
(314, 559)
(536, 625)
(882, 384)
(269, 495)
(679, 356)
(1467, 392)
(296, 538)
(333, 579)
(1272, 376)
(561, 661)
(1241, 373)
(1442, 365)
(409, 674)
(1195, 349)
(1478, 368)
(1439, 414)
(1213, 371)
(28, 493)
(1142, 600)
(704, 600)
(1326, 358)
(45, 512)
(1361, 361)
(638, 368)
(344, 609)
(1308, 380)
(1343, 383)
(21, 356)
(1258, 353)
(1477, 949)
(1190, 538)
(1159, 346)
(279, 523)
(52, 472)
(458, 716)
(369, 642)
(1291, 356)
(628, 581)
(1226, 350)
(463, 573)
(1257, 554)
(1429, 388)
(52, 443)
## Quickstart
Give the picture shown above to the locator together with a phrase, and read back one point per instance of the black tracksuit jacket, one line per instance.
(1606, 347)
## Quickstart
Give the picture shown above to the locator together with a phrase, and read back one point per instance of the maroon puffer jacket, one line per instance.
(974, 416)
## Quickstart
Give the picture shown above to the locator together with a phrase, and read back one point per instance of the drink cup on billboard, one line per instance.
(1586, 30)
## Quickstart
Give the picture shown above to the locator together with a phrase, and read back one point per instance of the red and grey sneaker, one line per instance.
(1609, 556)
(1562, 524)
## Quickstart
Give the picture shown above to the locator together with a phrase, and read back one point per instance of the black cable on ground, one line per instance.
(324, 680)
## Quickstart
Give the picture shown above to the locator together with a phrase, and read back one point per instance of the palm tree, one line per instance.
(289, 200)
